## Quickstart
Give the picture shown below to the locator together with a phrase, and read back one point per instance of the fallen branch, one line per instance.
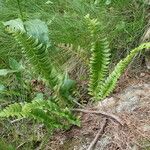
(108, 115)
(98, 135)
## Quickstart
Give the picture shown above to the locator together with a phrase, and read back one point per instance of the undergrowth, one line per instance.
(33, 40)
(46, 52)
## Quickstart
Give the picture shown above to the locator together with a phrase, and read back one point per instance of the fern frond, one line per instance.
(36, 52)
(12, 110)
(46, 112)
(37, 55)
(110, 83)
(99, 61)
(70, 56)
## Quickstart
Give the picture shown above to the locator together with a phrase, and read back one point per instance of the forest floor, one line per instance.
(130, 103)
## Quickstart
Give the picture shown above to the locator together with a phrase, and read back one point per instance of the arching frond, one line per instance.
(109, 84)
(37, 55)
(46, 112)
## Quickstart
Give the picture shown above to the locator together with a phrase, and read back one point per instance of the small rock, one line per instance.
(142, 74)
(146, 128)
(106, 103)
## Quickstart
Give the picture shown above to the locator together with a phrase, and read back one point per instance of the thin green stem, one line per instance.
(20, 11)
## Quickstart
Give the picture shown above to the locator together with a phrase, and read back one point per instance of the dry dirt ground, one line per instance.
(131, 103)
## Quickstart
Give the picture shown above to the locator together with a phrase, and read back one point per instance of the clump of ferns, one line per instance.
(101, 84)
(53, 111)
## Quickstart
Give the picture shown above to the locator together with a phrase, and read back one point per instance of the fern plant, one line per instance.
(32, 37)
(100, 83)
(34, 41)
(110, 82)
(36, 53)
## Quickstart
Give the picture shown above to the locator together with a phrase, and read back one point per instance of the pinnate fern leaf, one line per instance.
(99, 61)
(100, 86)
(37, 55)
(12, 110)
(44, 111)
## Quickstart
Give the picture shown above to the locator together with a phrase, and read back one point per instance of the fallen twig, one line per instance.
(18, 147)
(108, 115)
(16, 120)
(76, 102)
(98, 135)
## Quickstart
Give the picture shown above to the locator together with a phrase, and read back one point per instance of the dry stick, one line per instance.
(98, 135)
(108, 115)
(16, 120)
(18, 147)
